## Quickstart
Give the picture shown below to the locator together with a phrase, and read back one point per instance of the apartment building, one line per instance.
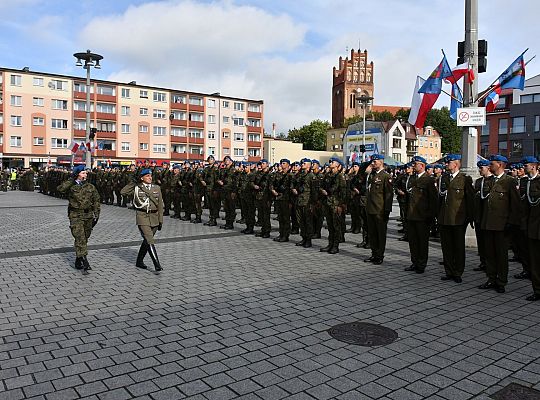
(42, 113)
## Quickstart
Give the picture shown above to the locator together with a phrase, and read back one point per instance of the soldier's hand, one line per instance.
(295, 191)
(256, 187)
(324, 192)
(275, 193)
(95, 221)
(159, 227)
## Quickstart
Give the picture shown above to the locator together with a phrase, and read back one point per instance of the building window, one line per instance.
(196, 150)
(196, 101)
(226, 151)
(518, 125)
(485, 129)
(59, 104)
(79, 125)
(502, 103)
(106, 90)
(39, 141)
(57, 143)
(396, 156)
(16, 101)
(106, 145)
(59, 123)
(257, 123)
(159, 148)
(254, 107)
(238, 121)
(196, 117)
(160, 131)
(125, 93)
(160, 96)
(143, 128)
(238, 152)
(178, 148)
(211, 119)
(225, 104)
(211, 103)
(81, 88)
(211, 134)
(196, 133)
(179, 132)
(212, 151)
(81, 106)
(143, 94)
(254, 152)
(16, 120)
(125, 128)
(16, 80)
(226, 135)
(238, 106)
(503, 126)
(178, 98)
(537, 123)
(143, 146)
(126, 111)
(15, 141)
(180, 115)
(225, 120)
(37, 81)
(38, 101)
(484, 149)
(333, 136)
(57, 84)
(106, 108)
(126, 146)
(517, 149)
(238, 136)
(106, 127)
(396, 144)
(143, 111)
(38, 121)
(530, 98)
(254, 137)
(503, 148)
(161, 114)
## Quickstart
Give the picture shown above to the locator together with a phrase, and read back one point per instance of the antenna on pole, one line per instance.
(359, 48)
(346, 50)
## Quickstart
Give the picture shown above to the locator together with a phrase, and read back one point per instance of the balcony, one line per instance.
(179, 139)
(179, 122)
(1, 127)
(106, 116)
(106, 135)
(178, 156)
(251, 114)
(196, 124)
(254, 159)
(106, 97)
(79, 133)
(178, 106)
(105, 153)
(79, 114)
(257, 145)
(193, 156)
(412, 149)
(82, 96)
(194, 140)
(196, 108)
(254, 129)
(1, 147)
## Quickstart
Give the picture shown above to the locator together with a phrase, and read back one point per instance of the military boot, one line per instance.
(86, 265)
(140, 257)
(301, 242)
(307, 244)
(153, 255)
(335, 248)
(78, 263)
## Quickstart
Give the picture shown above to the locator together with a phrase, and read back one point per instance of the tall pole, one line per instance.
(87, 139)
(364, 132)
(470, 91)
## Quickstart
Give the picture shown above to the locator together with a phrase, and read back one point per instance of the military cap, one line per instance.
(285, 160)
(146, 171)
(452, 157)
(296, 163)
(264, 160)
(419, 159)
(440, 166)
(153, 162)
(335, 159)
(409, 164)
(482, 163)
(304, 160)
(499, 158)
(517, 165)
(187, 162)
(210, 157)
(165, 162)
(77, 170)
(355, 163)
(316, 162)
(227, 157)
(377, 157)
(428, 166)
(529, 160)
(176, 166)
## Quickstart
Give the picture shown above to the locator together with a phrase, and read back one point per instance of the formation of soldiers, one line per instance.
(21, 179)
(435, 200)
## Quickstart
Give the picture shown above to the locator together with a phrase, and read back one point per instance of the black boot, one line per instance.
(86, 265)
(301, 242)
(140, 257)
(78, 263)
(326, 249)
(335, 248)
(307, 244)
(153, 255)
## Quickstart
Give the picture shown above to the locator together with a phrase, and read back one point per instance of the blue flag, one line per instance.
(514, 76)
(433, 84)
(456, 101)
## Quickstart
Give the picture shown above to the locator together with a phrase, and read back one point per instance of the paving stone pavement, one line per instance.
(238, 317)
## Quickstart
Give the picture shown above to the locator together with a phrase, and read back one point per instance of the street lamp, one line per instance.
(90, 60)
(365, 101)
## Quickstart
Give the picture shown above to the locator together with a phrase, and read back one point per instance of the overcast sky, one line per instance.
(280, 51)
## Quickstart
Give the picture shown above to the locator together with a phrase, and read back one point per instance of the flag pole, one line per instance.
(459, 89)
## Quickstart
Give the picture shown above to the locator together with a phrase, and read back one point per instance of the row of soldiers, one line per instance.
(20, 178)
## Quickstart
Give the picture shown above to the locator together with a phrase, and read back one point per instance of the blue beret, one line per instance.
(77, 170)
(296, 163)
(285, 160)
(452, 157)
(429, 166)
(482, 163)
(529, 160)
(419, 159)
(303, 160)
(187, 162)
(377, 157)
(409, 164)
(355, 163)
(210, 157)
(176, 166)
(316, 162)
(517, 165)
(499, 158)
(153, 162)
(440, 166)
(264, 160)
(335, 159)
(146, 171)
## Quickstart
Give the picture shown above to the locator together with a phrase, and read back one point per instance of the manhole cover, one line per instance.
(363, 334)
(515, 391)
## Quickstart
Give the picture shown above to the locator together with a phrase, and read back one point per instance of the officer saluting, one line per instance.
(148, 202)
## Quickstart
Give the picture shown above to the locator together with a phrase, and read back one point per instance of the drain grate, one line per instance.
(363, 334)
(515, 391)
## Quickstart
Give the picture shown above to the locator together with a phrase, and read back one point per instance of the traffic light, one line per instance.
(482, 54)
(362, 148)
(93, 132)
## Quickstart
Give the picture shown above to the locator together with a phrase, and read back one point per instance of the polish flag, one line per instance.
(459, 72)
(492, 99)
(74, 146)
(421, 104)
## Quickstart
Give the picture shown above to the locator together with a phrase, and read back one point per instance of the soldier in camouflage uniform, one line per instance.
(227, 181)
(198, 191)
(83, 213)
(316, 204)
(210, 178)
(175, 188)
(280, 188)
(295, 173)
(261, 187)
(246, 192)
(303, 188)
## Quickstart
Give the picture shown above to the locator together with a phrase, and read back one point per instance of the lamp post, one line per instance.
(364, 100)
(90, 60)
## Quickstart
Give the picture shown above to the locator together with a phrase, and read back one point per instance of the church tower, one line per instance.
(352, 74)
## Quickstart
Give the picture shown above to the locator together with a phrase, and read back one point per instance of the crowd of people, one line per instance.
(17, 179)
(435, 201)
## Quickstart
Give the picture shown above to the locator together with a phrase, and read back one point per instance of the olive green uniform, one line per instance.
(334, 203)
(378, 208)
(148, 201)
(532, 213)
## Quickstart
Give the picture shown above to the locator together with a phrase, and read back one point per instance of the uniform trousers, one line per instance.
(81, 229)
(534, 264)
(496, 257)
(229, 205)
(284, 217)
(305, 220)
(377, 227)
(148, 232)
(453, 248)
(481, 243)
(418, 235)
(263, 214)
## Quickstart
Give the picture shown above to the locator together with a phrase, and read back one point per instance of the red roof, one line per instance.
(391, 109)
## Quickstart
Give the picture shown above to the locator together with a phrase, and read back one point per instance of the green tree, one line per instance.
(447, 128)
(403, 114)
(312, 136)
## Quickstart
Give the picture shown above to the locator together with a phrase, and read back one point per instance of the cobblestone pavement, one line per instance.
(234, 316)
